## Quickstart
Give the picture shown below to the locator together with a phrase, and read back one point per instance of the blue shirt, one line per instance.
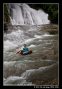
(25, 50)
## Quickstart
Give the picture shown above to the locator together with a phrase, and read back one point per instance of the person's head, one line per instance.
(24, 45)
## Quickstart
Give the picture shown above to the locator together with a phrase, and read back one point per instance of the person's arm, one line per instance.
(18, 51)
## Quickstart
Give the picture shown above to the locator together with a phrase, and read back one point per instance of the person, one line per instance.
(25, 49)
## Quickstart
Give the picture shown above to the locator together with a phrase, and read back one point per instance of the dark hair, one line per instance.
(25, 45)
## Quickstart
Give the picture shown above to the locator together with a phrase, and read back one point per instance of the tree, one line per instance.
(51, 9)
(6, 14)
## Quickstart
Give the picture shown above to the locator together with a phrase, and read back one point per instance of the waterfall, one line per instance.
(23, 14)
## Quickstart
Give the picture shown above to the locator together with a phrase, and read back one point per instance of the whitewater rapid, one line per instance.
(21, 70)
(19, 37)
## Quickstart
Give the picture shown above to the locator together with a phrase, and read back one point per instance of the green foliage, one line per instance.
(53, 13)
(6, 14)
(51, 9)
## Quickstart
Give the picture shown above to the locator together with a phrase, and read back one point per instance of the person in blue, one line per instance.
(25, 49)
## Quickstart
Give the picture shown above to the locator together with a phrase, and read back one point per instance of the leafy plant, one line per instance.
(6, 14)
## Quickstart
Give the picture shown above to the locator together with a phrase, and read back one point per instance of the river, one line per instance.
(38, 68)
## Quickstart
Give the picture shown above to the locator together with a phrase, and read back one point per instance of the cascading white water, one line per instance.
(22, 14)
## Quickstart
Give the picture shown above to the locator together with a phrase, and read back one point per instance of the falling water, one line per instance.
(22, 14)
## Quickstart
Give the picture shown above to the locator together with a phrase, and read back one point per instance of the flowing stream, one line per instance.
(37, 68)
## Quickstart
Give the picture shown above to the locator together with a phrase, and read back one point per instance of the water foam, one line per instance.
(9, 63)
(38, 36)
(9, 45)
(31, 46)
(25, 15)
